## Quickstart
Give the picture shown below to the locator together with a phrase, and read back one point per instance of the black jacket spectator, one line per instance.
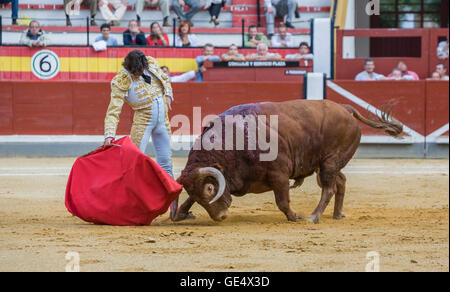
(128, 40)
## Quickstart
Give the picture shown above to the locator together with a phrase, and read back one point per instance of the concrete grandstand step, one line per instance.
(50, 13)
(51, 17)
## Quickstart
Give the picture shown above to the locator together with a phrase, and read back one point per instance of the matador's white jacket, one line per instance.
(136, 92)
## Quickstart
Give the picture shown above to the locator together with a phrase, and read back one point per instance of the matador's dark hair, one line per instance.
(135, 62)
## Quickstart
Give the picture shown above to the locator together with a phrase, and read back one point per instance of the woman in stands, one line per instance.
(184, 38)
(146, 88)
(156, 37)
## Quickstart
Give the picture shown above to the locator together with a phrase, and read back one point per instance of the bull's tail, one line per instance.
(385, 122)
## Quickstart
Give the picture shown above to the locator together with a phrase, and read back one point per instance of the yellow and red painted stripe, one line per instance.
(84, 64)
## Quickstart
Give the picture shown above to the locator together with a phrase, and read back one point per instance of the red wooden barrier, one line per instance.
(85, 64)
(437, 107)
(65, 108)
(409, 95)
(348, 68)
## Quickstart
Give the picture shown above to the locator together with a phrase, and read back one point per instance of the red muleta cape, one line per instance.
(119, 185)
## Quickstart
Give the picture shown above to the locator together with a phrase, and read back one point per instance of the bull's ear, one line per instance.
(218, 166)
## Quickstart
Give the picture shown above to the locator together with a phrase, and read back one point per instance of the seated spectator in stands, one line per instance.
(208, 55)
(184, 38)
(435, 76)
(233, 54)
(76, 9)
(282, 39)
(442, 50)
(178, 6)
(162, 4)
(404, 69)
(105, 37)
(279, 8)
(214, 7)
(262, 54)
(368, 74)
(156, 37)
(120, 7)
(34, 36)
(133, 36)
(304, 53)
(397, 74)
(14, 9)
(253, 37)
(442, 70)
(182, 77)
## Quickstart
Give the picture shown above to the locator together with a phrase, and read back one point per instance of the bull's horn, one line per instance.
(215, 173)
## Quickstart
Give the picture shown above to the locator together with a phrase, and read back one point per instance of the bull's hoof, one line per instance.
(294, 218)
(183, 216)
(313, 219)
(339, 216)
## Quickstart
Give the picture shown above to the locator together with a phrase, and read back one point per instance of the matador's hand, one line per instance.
(108, 141)
(169, 102)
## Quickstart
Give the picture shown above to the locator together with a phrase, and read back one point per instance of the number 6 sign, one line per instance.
(45, 64)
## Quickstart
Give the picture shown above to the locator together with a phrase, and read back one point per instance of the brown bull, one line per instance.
(312, 136)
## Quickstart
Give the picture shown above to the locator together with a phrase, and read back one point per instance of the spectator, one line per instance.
(283, 39)
(435, 76)
(180, 78)
(303, 54)
(279, 8)
(76, 5)
(184, 38)
(404, 69)
(133, 36)
(178, 6)
(368, 74)
(262, 54)
(233, 54)
(442, 50)
(162, 4)
(397, 74)
(34, 36)
(14, 9)
(253, 37)
(156, 37)
(120, 7)
(214, 7)
(441, 68)
(208, 54)
(105, 37)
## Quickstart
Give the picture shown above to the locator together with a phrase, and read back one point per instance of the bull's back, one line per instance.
(310, 129)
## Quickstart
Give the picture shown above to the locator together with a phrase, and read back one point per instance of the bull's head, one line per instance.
(207, 186)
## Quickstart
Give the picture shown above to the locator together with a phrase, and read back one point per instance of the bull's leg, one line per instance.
(183, 212)
(328, 181)
(281, 191)
(339, 197)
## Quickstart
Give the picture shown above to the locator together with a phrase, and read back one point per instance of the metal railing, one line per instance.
(244, 25)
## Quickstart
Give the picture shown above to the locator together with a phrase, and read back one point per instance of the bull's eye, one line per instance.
(210, 188)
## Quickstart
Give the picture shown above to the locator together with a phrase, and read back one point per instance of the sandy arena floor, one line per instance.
(397, 208)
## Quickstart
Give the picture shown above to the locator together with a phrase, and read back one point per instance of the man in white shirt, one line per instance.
(304, 53)
(263, 54)
(442, 50)
(441, 68)
(282, 39)
(368, 74)
(182, 77)
(271, 13)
